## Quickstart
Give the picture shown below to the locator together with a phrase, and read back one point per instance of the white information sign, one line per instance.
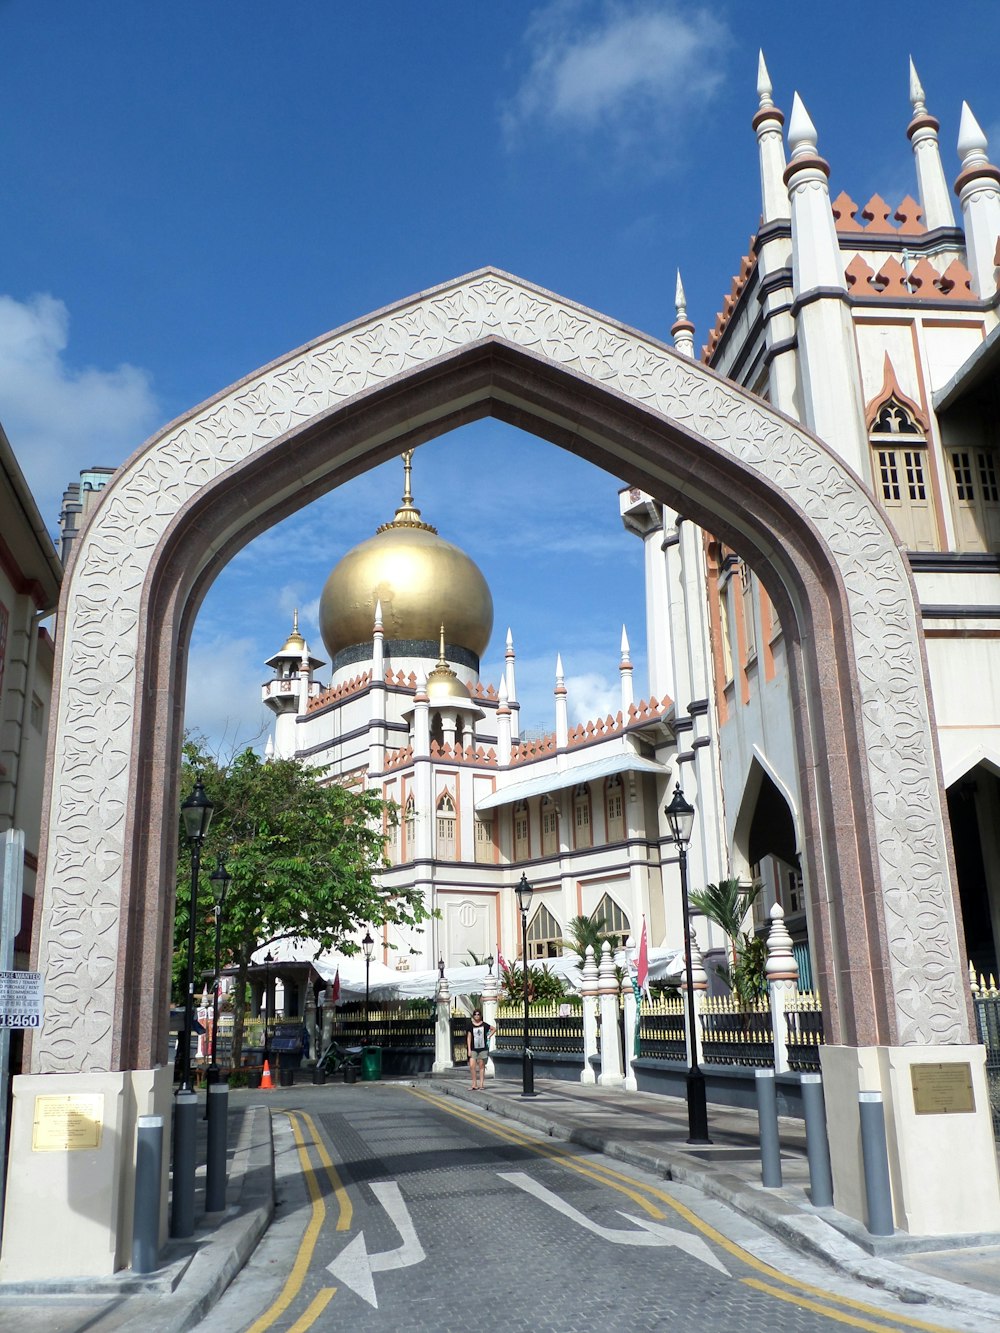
(21, 996)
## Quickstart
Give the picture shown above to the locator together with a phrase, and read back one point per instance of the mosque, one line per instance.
(876, 326)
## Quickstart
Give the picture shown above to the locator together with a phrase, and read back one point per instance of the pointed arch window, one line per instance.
(614, 795)
(409, 829)
(446, 827)
(616, 928)
(550, 827)
(544, 935)
(522, 838)
(901, 471)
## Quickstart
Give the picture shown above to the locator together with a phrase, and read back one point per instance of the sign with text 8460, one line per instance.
(20, 999)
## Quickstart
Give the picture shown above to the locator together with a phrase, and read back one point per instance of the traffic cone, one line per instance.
(265, 1078)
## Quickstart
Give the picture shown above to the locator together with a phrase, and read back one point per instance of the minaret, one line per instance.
(508, 670)
(503, 726)
(830, 388)
(562, 708)
(774, 247)
(932, 187)
(978, 189)
(682, 330)
(625, 670)
(377, 697)
(288, 692)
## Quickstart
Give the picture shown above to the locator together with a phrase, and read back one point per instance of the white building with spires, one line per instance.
(875, 326)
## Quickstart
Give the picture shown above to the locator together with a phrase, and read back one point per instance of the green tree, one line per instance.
(303, 854)
(728, 904)
(584, 930)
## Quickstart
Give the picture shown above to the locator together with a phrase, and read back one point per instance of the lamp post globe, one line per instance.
(524, 893)
(680, 821)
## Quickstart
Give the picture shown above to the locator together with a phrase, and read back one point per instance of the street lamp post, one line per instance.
(680, 819)
(197, 813)
(368, 944)
(268, 960)
(524, 892)
(219, 880)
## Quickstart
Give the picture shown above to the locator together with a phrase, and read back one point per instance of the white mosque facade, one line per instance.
(877, 328)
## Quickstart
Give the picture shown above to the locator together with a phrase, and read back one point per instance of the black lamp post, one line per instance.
(197, 813)
(368, 944)
(680, 818)
(219, 880)
(268, 960)
(524, 892)
(489, 964)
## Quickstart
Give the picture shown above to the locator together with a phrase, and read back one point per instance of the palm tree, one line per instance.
(728, 904)
(584, 930)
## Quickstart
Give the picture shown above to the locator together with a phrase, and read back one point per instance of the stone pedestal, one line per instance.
(942, 1165)
(69, 1211)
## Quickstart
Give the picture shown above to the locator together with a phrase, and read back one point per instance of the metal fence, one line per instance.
(391, 1025)
(661, 1029)
(987, 1011)
(551, 1027)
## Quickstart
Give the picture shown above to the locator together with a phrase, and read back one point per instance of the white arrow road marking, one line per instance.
(652, 1233)
(354, 1266)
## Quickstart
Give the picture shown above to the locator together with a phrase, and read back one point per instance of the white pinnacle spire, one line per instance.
(560, 678)
(972, 142)
(680, 300)
(802, 136)
(625, 667)
(269, 748)
(562, 707)
(682, 330)
(625, 645)
(917, 96)
(378, 617)
(764, 88)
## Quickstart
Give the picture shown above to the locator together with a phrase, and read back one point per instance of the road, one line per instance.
(400, 1209)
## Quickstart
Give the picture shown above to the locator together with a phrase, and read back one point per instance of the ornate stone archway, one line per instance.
(489, 343)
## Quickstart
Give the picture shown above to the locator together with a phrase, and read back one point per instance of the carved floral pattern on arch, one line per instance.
(101, 626)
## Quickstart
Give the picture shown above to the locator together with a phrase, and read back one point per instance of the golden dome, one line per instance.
(443, 686)
(420, 580)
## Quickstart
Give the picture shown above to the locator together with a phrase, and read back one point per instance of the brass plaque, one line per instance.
(942, 1089)
(67, 1123)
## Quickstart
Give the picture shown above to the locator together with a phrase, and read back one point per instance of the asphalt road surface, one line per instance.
(399, 1209)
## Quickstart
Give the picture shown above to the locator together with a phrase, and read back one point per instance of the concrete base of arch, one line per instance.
(69, 1205)
(942, 1167)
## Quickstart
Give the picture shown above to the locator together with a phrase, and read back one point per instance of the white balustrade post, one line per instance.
(782, 974)
(442, 1029)
(631, 1024)
(588, 990)
(491, 990)
(611, 1075)
(699, 978)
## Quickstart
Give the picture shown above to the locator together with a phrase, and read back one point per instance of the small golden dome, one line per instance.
(443, 686)
(420, 581)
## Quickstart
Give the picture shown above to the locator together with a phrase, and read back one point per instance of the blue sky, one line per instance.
(193, 190)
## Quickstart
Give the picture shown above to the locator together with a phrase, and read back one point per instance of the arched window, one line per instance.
(614, 795)
(616, 924)
(409, 825)
(544, 935)
(581, 816)
(446, 827)
(550, 827)
(522, 841)
(901, 474)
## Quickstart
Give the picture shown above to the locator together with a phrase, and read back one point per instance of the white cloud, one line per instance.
(591, 696)
(60, 419)
(623, 68)
(223, 693)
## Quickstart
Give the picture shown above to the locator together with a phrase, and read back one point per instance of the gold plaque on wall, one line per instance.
(69, 1123)
(943, 1089)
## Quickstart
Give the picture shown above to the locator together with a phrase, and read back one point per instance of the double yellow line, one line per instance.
(802, 1294)
(297, 1274)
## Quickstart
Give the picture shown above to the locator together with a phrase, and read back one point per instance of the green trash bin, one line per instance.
(371, 1064)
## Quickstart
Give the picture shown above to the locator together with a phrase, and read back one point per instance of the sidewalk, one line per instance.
(649, 1131)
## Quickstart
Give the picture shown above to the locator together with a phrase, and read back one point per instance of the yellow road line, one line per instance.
(805, 1304)
(316, 1307)
(346, 1213)
(299, 1269)
(612, 1178)
(544, 1150)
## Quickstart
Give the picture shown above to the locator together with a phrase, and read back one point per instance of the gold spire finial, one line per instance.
(441, 659)
(407, 473)
(407, 515)
(295, 621)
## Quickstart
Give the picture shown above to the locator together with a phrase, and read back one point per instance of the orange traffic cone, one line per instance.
(265, 1078)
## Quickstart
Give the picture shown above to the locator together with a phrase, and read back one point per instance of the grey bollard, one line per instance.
(875, 1154)
(218, 1124)
(182, 1180)
(767, 1121)
(146, 1209)
(817, 1144)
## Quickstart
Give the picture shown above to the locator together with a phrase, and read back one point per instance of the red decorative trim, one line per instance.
(767, 113)
(812, 162)
(987, 171)
(890, 389)
(924, 121)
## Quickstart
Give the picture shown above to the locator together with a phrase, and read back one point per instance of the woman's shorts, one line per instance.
(479, 1056)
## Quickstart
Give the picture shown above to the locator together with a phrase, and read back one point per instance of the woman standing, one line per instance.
(477, 1040)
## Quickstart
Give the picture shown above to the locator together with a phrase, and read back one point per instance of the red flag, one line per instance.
(335, 988)
(501, 962)
(642, 967)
